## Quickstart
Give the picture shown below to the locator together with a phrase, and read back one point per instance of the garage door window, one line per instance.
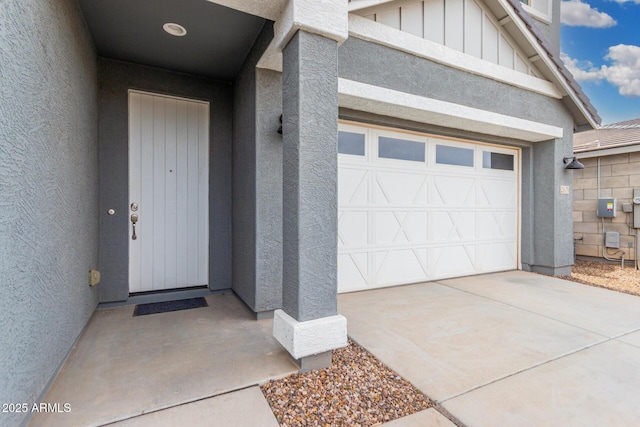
(351, 143)
(448, 155)
(400, 149)
(501, 161)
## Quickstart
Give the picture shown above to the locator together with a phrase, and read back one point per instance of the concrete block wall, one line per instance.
(619, 175)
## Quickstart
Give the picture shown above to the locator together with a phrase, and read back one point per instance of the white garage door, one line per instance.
(413, 208)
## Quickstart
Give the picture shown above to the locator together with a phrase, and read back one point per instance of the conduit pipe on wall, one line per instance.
(599, 186)
(636, 251)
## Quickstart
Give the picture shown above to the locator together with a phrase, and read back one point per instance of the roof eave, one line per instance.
(561, 75)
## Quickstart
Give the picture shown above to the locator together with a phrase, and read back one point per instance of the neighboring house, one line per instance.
(611, 156)
(420, 140)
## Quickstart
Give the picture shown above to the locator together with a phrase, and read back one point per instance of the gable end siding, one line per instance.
(465, 25)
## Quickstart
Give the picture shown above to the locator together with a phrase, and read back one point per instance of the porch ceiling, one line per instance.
(217, 41)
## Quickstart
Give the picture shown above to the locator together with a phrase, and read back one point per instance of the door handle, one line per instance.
(134, 219)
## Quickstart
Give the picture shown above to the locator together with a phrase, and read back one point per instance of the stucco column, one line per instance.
(551, 230)
(309, 326)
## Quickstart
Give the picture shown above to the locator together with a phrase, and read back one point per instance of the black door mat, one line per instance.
(167, 306)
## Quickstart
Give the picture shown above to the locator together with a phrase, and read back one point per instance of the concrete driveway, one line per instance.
(509, 349)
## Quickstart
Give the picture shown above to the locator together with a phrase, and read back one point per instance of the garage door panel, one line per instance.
(496, 256)
(353, 271)
(454, 191)
(353, 186)
(353, 228)
(400, 188)
(401, 266)
(398, 227)
(498, 193)
(453, 225)
(497, 224)
(451, 261)
(416, 226)
(389, 227)
(509, 225)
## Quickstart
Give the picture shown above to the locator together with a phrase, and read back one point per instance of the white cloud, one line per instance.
(627, 1)
(624, 71)
(583, 71)
(577, 14)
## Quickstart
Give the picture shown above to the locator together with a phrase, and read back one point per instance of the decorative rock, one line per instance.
(605, 275)
(357, 390)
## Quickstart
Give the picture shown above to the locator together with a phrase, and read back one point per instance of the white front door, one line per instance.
(414, 208)
(168, 191)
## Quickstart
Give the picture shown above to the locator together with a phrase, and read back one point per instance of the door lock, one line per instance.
(134, 206)
(134, 219)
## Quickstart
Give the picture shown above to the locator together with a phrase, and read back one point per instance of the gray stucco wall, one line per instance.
(257, 183)
(269, 190)
(310, 172)
(551, 31)
(48, 191)
(546, 220)
(552, 208)
(115, 79)
(244, 183)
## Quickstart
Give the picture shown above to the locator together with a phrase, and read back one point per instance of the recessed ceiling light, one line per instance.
(175, 29)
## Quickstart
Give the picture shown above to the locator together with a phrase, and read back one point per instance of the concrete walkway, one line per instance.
(509, 349)
(198, 367)
(183, 365)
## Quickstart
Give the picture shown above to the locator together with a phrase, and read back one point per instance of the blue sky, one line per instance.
(600, 44)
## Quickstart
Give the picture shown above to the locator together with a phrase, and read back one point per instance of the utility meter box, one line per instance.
(607, 207)
(612, 239)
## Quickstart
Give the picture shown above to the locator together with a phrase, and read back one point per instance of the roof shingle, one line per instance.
(608, 136)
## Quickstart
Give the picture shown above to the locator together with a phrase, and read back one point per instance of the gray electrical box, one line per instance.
(607, 207)
(612, 239)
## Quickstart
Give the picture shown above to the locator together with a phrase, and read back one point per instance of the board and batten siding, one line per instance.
(465, 25)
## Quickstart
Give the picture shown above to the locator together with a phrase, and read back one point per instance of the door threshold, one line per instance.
(164, 295)
(167, 291)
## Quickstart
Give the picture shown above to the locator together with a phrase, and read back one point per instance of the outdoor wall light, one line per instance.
(572, 163)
